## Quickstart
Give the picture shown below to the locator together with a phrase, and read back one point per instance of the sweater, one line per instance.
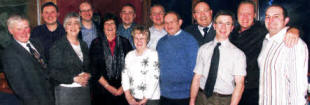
(177, 58)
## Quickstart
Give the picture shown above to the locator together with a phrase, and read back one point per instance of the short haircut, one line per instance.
(226, 13)
(193, 8)
(129, 5)
(13, 19)
(49, 4)
(172, 12)
(107, 17)
(284, 10)
(248, 2)
(144, 30)
(71, 15)
(158, 5)
(86, 2)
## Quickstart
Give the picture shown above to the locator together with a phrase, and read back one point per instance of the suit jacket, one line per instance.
(26, 76)
(193, 29)
(64, 64)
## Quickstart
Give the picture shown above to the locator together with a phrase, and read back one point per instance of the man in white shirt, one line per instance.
(220, 68)
(157, 30)
(283, 70)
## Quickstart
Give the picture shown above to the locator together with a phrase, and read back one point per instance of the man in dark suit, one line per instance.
(203, 31)
(24, 65)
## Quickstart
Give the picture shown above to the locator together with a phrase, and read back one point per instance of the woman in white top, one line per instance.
(140, 78)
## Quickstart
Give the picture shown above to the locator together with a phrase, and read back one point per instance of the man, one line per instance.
(177, 53)
(89, 28)
(24, 65)
(203, 31)
(157, 30)
(248, 36)
(283, 70)
(220, 69)
(51, 31)
(127, 14)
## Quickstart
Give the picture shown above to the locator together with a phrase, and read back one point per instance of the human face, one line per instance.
(72, 26)
(157, 15)
(20, 31)
(223, 26)
(127, 15)
(275, 20)
(50, 15)
(86, 12)
(202, 14)
(140, 40)
(246, 15)
(109, 27)
(172, 23)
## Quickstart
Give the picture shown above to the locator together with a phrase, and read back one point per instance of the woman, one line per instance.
(107, 56)
(68, 65)
(140, 77)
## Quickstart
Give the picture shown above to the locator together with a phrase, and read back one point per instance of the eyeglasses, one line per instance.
(88, 10)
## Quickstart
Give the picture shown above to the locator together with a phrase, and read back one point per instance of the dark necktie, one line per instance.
(37, 56)
(206, 31)
(213, 71)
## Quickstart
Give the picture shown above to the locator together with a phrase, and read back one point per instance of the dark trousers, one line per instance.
(9, 99)
(168, 101)
(201, 99)
(150, 102)
(249, 97)
(104, 97)
(72, 95)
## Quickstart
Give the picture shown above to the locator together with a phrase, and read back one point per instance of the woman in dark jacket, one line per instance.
(69, 65)
(107, 56)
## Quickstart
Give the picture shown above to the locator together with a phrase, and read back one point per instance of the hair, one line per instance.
(158, 5)
(129, 5)
(284, 10)
(13, 19)
(172, 12)
(71, 15)
(226, 13)
(107, 17)
(144, 30)
(248, 2)
(49, 4)
(86, 2)
(195, 4)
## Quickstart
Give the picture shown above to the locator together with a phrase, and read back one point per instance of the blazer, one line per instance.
(26, 76)
(64, 64)
(193, 29)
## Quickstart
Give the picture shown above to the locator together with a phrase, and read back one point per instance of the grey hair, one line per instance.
(15, 19)
(72, 15)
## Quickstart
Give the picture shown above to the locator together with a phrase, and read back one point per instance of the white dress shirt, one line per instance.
(283, 71)
(155, 35)
(201, 29)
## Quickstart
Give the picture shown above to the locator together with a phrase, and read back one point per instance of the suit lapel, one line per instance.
(72, 53)
(22, 51)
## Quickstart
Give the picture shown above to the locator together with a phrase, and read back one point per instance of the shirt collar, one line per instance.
(277, 37)
(225, 43)
(201, 28)
(178, 33)
(155, 29)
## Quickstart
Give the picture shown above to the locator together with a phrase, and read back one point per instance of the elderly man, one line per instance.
(203, 31)
(89, 30)
(157, 30)
(24, 65)
(51, 31)
(283, 70)
(128, 15)
(177, 53)
(220, 69)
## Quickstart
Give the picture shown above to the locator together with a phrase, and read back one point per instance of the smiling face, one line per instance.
(172, 23)
(275, 20)
(20, 30)
(50, 15)
(127, 15)
(202, 14)
(72, 26)
(109, 27)
(157, 15)
(86, 11)
(223, 26)
(246, 15)
(140, 39)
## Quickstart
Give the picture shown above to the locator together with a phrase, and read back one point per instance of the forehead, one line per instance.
(171, 16)
(157, 8)
(274, 10)
(109, 21)
(127, 8)
(85, 5)
(202, 5)
(246, 6)
(49, 8)
(224, 18)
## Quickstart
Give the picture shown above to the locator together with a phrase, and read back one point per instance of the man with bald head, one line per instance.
(203, 30)
(177, 53)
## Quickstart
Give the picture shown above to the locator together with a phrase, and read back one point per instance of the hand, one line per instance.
(132, 101)
(291, 37)
(191, 102)
(120, 91)
(81, 80)
(143, 102)
(85, 75)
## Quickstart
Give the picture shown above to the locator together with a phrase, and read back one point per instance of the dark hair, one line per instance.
(129, 5)
(49, 4)
(226, 13)
(284, 10)
(107, 17)
(193, 8)
(248, 2)
(172, 12)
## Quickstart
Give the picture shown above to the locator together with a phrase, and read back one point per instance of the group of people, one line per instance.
(212, 62)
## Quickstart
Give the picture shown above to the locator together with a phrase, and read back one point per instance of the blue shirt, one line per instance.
(126, 33)
(89, 35)
(177, 58)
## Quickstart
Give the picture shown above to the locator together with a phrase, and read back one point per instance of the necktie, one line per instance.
(37, 56)
(206, 31)
(213, 71)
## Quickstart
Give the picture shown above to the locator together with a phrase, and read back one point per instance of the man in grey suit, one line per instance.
(24, 65)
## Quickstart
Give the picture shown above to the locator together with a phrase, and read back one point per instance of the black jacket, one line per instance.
(193, 29)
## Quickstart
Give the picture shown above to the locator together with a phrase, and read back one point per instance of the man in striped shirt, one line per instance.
(283, 70)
